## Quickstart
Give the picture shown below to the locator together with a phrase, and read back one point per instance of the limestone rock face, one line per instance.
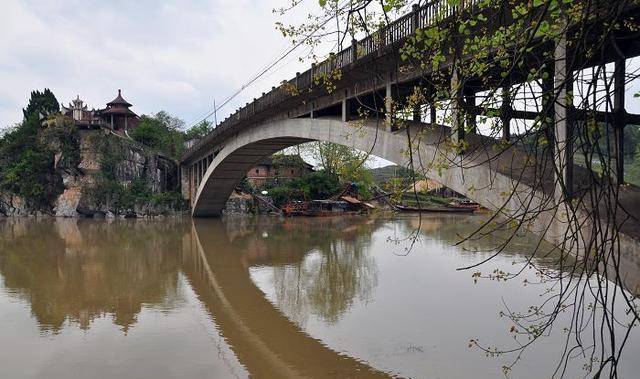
(131, 162)
(238, 205)
(15, 206)
(89, 156)
(67, 203)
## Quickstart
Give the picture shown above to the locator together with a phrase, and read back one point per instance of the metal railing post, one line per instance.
(354, 50)
(415, 8)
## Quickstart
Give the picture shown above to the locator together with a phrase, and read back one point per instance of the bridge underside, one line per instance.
(227, 174)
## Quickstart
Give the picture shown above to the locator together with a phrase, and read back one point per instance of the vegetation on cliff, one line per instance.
(166, 133)
(110, 191)
(27, 153)
(161, 132)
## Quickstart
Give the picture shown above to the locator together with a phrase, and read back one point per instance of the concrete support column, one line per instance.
(354, 50)
(548, 104)
(563, 146)
(432, 113)
(185, 182)
(417, 114)
(197, 176)
(192, 177)
(432, 105)
(505, 114)
(388, 107)
(201, 166)
(415, 8)
(457, 122)
(346, 111)
(619, 122)
(470, 115)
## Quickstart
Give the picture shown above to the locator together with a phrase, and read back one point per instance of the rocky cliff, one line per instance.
(105, 175)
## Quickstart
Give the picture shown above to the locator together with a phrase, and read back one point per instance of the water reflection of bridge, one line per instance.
(264, 340)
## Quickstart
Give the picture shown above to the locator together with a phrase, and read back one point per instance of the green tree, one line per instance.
(27, 152)
(41, 103)
(199, 131)
(26, 161)
(345, 163)
(161, 132)
(313, 186)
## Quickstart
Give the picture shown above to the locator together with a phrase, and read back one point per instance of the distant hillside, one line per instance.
(382, 174)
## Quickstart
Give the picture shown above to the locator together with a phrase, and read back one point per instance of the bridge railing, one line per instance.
(420, 17)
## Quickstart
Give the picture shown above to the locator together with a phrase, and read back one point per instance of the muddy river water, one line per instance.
(266, 298)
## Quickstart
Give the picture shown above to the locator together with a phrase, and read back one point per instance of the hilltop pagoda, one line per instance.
(118, 115)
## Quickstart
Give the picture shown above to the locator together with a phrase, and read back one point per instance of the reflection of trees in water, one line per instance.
(320, 266)
(78, 270)
(327, 282)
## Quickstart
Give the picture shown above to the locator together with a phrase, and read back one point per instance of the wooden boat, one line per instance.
(466, 204)
(345, 205)
(327, 208)
(445, 209)
(296, 208)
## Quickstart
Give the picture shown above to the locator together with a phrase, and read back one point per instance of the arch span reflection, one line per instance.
(265, 341)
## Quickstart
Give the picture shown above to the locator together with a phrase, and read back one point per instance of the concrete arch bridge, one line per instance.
(502, 178)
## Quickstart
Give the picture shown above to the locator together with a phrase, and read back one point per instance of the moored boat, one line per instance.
(441, 209)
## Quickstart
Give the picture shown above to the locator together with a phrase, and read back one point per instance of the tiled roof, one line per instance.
(119, 101)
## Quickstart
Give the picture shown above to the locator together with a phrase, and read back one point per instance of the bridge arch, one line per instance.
(501, 180)
(242, 151)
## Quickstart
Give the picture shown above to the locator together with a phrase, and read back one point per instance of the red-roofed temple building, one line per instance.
(116, 116)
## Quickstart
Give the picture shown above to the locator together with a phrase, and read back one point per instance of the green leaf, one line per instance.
(544, 27)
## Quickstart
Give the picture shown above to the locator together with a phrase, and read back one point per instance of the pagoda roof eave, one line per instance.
(118, 111)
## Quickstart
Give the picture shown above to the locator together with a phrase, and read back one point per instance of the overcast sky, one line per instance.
(176, 55)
